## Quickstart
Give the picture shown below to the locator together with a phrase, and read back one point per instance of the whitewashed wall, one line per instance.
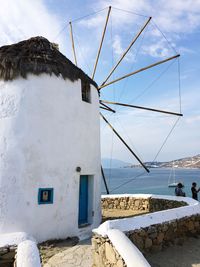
(46, 131)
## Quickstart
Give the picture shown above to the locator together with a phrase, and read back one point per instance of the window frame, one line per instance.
(50, 201)
(86, 91)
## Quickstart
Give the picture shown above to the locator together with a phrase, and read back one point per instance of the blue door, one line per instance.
(83, 200)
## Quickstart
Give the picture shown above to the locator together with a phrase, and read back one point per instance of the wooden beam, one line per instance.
(101, 43)
(140, 70)
(128, 48)
(140, 107)
(104, 179)
(107, 107)
(72, 40)
(143, 165)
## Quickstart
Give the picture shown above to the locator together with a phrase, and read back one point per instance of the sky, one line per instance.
(173, 86)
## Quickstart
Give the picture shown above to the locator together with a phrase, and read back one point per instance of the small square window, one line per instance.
(45, 196)
(85, 89)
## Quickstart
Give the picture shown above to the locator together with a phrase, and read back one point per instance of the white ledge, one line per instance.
(28, 254)
(141, 221)
(127, 250)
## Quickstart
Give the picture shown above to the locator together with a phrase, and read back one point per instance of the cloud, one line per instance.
(118, 49)
(157, 49)
(22, 19)
(117, 45)
(184, 15)
(174, 18)
(93, 22)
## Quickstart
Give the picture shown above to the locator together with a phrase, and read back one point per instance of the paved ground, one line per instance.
(185, 255)
(69, 253)
(77, 256)
(118, 214)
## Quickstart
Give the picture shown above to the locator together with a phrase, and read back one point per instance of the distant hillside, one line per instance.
(114, 163)
(189, 162)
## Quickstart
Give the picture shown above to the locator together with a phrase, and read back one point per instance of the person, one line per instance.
(194, 191)
(178, 190)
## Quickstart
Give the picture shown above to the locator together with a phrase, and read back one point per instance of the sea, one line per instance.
(136, 181)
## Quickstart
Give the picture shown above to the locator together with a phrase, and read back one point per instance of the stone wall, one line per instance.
(125, 203)
(139, 204)
(104, 253)
(152, 238)
(156, 237)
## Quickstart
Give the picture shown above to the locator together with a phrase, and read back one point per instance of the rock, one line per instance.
(160, 237)
(120, 263)
(122, 204)
(97, 259)
(190, 225)
(94, 244)
(116, 202)
(165, 227)
(109, 252)
(137, 203)
(153, 235)
(148, 243)
(139, 242)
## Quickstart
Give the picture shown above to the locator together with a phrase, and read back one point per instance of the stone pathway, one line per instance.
(186, 254)
(77, 256)
(183, 255)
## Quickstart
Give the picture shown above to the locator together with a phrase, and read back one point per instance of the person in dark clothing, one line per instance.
(194, 191)
(178, 190)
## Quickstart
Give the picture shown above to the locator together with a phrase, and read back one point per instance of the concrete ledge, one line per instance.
(28, 254)
(128, 251)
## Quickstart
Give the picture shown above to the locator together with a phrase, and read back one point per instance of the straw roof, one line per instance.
(35, 56)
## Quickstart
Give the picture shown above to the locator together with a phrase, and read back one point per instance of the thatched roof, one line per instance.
(37, 55)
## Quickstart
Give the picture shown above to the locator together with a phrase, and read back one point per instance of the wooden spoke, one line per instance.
(104, 179)
(140, 107)
(107, 107)
(101, 43)
(140, 70)
(126, 51)
(143, 165)
(72, 40)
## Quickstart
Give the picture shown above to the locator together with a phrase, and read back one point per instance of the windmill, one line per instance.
(105, 104)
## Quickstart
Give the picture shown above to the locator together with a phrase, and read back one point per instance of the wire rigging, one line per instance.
(81, 52)
(153, 82)
(89, 15)
(59, 33)
(127, 182)
(131, 68)
(113, 86)
(179, 85)
(166, 138)
(129, 139)
(173, 48)
(130, 12)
